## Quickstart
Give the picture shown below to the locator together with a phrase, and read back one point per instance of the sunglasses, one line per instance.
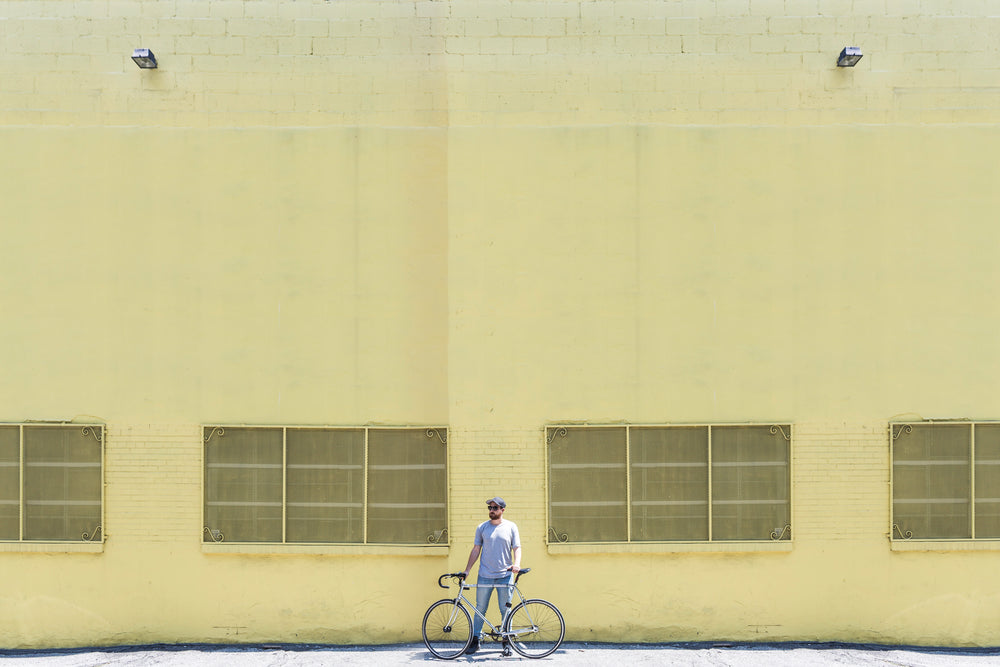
(493, 508)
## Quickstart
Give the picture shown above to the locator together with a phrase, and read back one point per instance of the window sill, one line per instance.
(52, 547)
(945, 545)
(269, 549)
(670, 547)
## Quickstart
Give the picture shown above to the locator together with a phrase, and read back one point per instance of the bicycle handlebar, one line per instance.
(461, 576)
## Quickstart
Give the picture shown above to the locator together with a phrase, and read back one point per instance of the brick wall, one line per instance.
(506, 462)
(153, 483)
(840, 481)
(434, 63)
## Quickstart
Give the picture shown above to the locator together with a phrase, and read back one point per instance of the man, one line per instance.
(498, 548)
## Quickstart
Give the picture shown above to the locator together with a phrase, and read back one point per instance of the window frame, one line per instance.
(900, 538)
(432, 547)
(91, 541)
(777, 542)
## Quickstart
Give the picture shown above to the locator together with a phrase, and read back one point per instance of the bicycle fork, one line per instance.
(454, 615)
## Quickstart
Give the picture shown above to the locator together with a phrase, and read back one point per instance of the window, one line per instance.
(303, 485)
(669, 483)
(945, 480)
(51, 482)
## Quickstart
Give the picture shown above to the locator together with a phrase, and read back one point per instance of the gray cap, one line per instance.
(497, 500)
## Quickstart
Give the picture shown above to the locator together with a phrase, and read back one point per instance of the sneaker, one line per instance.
(473, 647)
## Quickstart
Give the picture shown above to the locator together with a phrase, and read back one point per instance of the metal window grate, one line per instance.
(945, 480)
(669, 483)
(51, 482)
(325, 485)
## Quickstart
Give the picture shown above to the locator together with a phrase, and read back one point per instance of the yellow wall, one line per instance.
(436, 63)
(497, 215)
(213, 275)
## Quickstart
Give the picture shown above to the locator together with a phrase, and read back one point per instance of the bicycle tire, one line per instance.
(538, 627)
(447, 629)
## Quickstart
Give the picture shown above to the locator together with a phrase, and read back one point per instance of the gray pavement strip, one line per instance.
(709, 654)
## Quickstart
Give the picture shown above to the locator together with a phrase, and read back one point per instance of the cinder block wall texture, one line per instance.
(497, 215)
(509, 62)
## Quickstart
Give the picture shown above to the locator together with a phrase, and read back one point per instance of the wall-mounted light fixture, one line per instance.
(849, 57)
(144, 58)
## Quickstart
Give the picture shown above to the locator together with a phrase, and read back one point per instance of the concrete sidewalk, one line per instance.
(701, 655)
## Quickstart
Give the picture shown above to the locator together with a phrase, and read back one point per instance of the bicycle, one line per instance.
(534, 628)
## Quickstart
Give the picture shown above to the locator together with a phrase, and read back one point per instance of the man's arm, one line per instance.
(516, 567)
(473, 555)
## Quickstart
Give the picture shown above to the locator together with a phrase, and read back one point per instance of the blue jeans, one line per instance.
(483, 592)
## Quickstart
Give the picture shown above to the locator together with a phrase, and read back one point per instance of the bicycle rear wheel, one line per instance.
(537, 628)
(447, 629)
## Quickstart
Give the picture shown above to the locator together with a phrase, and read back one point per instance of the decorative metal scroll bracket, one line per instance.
(431, 432)
(214, 533)
(92, 536)
(903, 535)
(904, 427)
(94, 431)
(777, 534)
(777, 429)
(559, 538)
(218, 429)
(561, 432)
(438, 536)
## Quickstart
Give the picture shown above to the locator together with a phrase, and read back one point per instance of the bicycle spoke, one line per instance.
(447, 629)
(537, 628)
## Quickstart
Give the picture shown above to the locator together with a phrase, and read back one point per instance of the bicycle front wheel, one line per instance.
(447, 629)
(536, 628)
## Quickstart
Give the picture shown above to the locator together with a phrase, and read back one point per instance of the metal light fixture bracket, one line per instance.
(849, 56)
(144, 58)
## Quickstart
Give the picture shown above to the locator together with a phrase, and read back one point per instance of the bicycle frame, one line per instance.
(496, 631)
(532, 627)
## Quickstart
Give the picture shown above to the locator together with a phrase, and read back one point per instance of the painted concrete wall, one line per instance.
(461, 62)
(496, 216)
